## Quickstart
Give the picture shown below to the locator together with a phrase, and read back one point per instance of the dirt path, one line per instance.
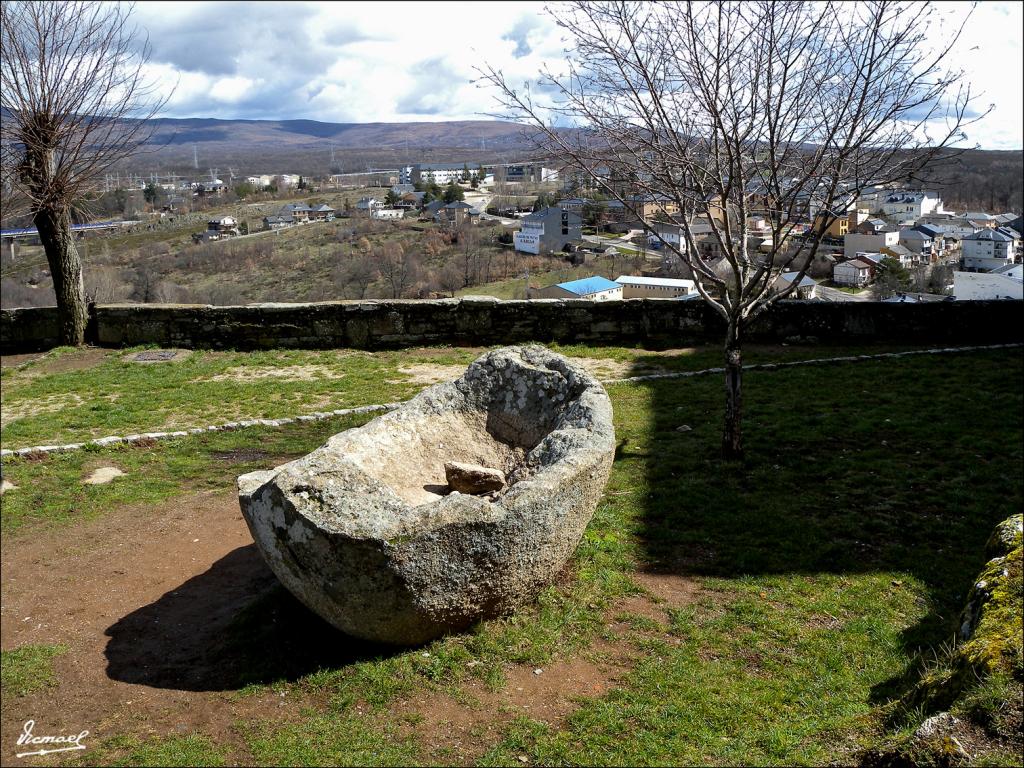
(168, 611)
(137, 597)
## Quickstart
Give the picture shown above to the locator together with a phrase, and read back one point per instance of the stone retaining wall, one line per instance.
(483, 321)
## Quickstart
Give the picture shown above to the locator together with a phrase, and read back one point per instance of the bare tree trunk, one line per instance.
(732, 437)
(66, 268)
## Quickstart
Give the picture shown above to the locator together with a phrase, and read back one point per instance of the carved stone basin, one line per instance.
(364, 531)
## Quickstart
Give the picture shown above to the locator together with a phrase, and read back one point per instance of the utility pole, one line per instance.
(195, 157)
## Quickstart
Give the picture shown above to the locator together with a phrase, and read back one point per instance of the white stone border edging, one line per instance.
(816, 360)
(845, 359)
(146, 437)
(321, 415)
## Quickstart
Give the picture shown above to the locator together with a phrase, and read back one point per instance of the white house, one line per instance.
(368, 204)
(910, 206)
(593, 288)
(641, 287)
(1008, 283)
(386, 213)
(855, 272)
(807, 288)
(987, 250)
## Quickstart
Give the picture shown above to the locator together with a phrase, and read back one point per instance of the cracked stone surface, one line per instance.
(361, 531)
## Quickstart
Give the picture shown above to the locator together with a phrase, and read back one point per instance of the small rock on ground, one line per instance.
(936, 725)
(5, 486)
(473, 478)
(103, 475)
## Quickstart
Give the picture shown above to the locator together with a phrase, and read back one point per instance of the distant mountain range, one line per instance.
(299, 133)
(312, 147)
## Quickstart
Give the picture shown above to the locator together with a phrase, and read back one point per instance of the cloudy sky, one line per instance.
(413, 61)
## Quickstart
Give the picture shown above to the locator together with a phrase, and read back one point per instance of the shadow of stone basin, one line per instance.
(364, 531)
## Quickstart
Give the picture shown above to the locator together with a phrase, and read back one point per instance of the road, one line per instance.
(834, 294)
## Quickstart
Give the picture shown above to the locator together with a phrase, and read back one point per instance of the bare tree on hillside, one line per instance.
(75, 102)
(353, 277)
(399, 270)
(725, 110)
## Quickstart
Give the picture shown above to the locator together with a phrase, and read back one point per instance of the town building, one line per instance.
(437, 173)
(1005, 283)
(279, 221)
(987, 250)
(643, 287)
(856, 242)
(531, 173)
(854, 272)
(456, 214)
(366, 205)
(548, 231)
(910, 206)
(592, 288)
(806, 289)
(298, 211)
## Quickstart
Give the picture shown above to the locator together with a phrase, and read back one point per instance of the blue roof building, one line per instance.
(595, 288)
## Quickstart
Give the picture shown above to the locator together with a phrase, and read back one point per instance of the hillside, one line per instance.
(296, 133)
(312, 147)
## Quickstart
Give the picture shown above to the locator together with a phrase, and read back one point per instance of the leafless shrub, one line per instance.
(723, 109)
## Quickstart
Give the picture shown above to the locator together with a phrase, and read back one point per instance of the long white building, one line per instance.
(438, 173)
(641, 287)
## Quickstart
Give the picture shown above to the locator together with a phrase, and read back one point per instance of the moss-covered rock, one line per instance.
(981, 678)
(1007, 537)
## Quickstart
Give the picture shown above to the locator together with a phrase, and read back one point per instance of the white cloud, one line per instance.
(377, 62)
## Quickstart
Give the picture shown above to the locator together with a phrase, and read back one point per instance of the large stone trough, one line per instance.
(365, 532)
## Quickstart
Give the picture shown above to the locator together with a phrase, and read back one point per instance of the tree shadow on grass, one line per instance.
(851, 468)
(229, 627)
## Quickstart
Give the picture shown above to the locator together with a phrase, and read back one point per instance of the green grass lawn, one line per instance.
(832, 562)
(75, 395)
(118, 397)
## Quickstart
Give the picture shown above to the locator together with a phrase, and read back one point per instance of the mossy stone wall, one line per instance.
(483, 321)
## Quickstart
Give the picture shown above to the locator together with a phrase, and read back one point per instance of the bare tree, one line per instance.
(355, 276)
(75, 102)
(399, 270)
(717, 111)
(451, 278)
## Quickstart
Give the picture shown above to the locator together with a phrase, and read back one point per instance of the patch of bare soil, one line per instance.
(167, 611)
(142, 599)
(426, 373)
(679, 352)
(75, 360)
(615, 369)
(21, 409)
(432, 352)
(291, 372)
(150, 356)
(13, 361)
